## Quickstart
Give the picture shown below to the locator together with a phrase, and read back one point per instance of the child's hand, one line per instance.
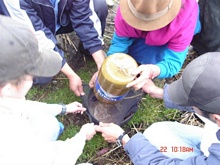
(110, 131)
(75, 107)
(149, 87)
(89, 130)
(146, 73)
(153, 90)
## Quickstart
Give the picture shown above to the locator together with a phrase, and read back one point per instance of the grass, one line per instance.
(150, 110)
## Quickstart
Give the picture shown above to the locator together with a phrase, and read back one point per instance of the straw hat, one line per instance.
(149, 15)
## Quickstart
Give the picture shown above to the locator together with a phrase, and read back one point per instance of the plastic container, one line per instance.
(114, 75)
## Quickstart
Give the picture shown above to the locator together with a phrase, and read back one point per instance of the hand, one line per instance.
(149, 87)
(88, 130)
(110, 131)
(75, 107)
(153, 90)
(146, 73)
(75, 84)
(75, 81)
(93, 79)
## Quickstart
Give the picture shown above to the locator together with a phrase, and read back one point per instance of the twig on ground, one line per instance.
(135, 128)
(174, 116)
(94, 159)
(42, 96)
(107, 37)
(113, 11)
(109, 31)
(111, 23)
(159, 105)
(191, 119)
(70, 42)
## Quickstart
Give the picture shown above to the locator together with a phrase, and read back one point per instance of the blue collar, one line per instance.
(55, 2)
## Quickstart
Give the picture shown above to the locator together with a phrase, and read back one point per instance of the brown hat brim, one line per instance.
(153, 24)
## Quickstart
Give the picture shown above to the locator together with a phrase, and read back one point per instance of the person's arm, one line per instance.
(119, 44)
(75, 81)
(99, 57)
(162, 93)
(169, 66)
(153, 90)
(29, 150)
(45, 36)
(47, 40)
(68, 151)
(54, 109)
(171, 63)
(146, 73)
(87, 26)
(142, 152)
(16, 13)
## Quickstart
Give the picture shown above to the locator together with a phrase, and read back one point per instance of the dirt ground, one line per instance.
(114, 156)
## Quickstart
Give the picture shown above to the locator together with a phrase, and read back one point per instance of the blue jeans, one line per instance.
(174, 139)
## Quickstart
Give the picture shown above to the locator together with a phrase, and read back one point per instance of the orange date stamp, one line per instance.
(176, 149)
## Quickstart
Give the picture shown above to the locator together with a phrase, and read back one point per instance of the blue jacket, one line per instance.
(3, 9)
(142, 152)
(75, 14)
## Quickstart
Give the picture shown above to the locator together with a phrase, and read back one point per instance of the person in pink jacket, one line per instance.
(156, 34)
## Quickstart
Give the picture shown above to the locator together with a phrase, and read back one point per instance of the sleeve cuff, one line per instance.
(162, 71)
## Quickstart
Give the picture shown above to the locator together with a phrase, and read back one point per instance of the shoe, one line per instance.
(110, 3)
(82, 50)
